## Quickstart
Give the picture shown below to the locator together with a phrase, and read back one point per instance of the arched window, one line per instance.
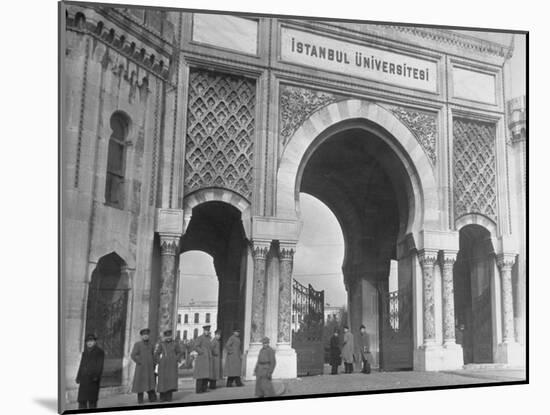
(114, 185)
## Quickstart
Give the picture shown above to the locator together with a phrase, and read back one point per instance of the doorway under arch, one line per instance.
(106, 314)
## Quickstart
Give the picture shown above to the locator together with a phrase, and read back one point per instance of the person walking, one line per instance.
(89, 373)
(264, 370)
(215, 373)
(233, 361)
(364, 349)
(167, 355)
(348, 350)
(203, 361)
(335, 353)
(143, 354)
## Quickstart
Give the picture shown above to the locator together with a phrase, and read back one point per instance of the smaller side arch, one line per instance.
(477, 219)
(201, 196)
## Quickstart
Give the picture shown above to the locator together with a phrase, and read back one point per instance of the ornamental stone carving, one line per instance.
(474, 168)
(220, 132)
(423, 126)
(296, 105)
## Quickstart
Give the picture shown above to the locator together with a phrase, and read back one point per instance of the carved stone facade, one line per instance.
(474, 168)
(220, 132)
(424, 127)
(296, 104)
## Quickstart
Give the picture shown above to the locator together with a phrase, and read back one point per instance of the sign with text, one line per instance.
(320, 52)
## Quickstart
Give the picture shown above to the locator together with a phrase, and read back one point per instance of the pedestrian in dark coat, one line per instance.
(89, 373)
(348, 350)
(335, 353)
(143, 354)
(203, 361)
(167, 355)
(364, 349)
(233, 361)
(264, 370)
(216, 365)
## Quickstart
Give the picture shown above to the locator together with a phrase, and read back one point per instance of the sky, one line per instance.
(318, 259)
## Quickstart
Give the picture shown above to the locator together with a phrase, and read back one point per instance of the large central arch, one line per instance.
(321, 125)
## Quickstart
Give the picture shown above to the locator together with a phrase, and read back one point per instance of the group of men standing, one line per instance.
(346, 351)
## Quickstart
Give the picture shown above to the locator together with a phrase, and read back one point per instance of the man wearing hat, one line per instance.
(233, 361)
(264, 369)
(89, 373)
(144, 374)
(215, 347)
(347, 351)
(203, 360)
(335, 353)
(364, 349)
(167, 355)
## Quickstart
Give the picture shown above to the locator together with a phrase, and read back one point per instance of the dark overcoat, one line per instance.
(203, 361)
(263, 371)
(233, 361)
(216, 366)
(89, 374)
(335, 352)
(364, 346)
(144, 375)
(167, 355)
(347, 348)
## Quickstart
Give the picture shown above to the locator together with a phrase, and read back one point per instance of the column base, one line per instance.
(511, 353)
(436, 357)
(287, 362)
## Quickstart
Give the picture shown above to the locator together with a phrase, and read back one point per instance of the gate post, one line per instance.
(169, 250)
(285, 354)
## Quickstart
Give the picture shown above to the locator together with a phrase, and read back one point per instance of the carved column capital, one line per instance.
(506, 261)
(286, 251)
(427, 257)
(448, 258)
(169, 243)
(260, 249)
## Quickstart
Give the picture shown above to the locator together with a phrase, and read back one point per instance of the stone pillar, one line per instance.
(509, 351)
(169, 251)
(287, 364)
(260, 250)
(427, 260)
(452, 354)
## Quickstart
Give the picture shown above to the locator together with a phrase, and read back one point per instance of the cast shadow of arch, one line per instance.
(48, 403)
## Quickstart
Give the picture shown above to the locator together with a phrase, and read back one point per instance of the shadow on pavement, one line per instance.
(47, 403)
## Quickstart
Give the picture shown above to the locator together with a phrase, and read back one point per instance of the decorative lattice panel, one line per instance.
(474, 168)
(423, 126)
(220, 132)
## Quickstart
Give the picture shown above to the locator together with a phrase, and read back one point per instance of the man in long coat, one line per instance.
(364, 349)
(215, 347)
(347, 350)
(89, 373)
(167, 355)
(264, 369)
(144, 374)
(335, 353)
(233, 361)
(203, 360)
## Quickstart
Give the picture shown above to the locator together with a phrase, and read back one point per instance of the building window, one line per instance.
(114, 185)
(184, 334)
(195, 333)
(178, 335)
(186, 319)
(207, 320)
(179, 318)
(196, 317)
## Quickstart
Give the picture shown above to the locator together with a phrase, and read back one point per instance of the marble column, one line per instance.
(427, 259)
(169, 250)
(259, 252)
(505, 264)
(286, 258)
(448, 261)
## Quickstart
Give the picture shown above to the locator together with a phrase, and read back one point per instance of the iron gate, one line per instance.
(106, 317)
(308, 320)
(396, 348)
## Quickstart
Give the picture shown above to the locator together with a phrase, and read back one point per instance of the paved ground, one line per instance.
(336, 384)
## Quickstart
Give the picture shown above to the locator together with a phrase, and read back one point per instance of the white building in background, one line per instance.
(193, 316)
(333, 312)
